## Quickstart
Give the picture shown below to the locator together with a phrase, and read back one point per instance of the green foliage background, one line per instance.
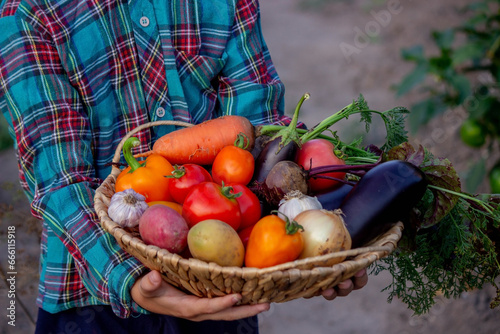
(464, 73)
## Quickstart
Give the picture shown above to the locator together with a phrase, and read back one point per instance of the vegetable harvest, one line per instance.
(334, 196)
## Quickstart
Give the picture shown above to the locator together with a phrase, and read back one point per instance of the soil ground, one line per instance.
(306, 46)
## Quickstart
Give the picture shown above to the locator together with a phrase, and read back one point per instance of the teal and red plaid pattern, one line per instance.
(76, 76)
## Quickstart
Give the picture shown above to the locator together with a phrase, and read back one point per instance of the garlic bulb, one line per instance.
(295, 202)
(126, 207)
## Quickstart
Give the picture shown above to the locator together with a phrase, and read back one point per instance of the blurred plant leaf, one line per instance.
(412, 79)
(467, 52)
(423, 111)
(414, 53)
(475, 175)
(444, 39)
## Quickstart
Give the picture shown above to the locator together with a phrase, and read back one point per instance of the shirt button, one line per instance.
(160, 112)
(144, 21)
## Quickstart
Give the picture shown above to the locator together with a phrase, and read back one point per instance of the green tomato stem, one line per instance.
(227, 191)
(242, 141)
(292, 227)
(177, 173)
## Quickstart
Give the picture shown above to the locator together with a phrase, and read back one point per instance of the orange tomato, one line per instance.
(273, 241)
(233, 164)
(176, 206)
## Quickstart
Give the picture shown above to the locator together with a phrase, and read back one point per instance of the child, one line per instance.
(75, 77)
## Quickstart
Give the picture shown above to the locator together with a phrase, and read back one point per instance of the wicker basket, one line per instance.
(281, 283)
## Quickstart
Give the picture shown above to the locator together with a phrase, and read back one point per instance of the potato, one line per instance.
(213, 240)
(164, 227)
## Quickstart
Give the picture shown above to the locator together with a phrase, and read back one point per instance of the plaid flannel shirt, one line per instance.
(76, 76)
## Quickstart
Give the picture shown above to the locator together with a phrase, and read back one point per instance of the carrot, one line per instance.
(200, 143)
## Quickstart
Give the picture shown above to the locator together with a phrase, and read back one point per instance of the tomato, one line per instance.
(184, 177)
(494, 178)
(244, 234)
(320, 152)
(233, 165)
(273, 241)
(208, 200)
(473, 133)
(249, 204)
(176, 206)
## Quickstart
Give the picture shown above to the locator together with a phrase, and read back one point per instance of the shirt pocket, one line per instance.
(198, 70)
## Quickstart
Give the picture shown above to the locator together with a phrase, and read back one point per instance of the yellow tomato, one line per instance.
(177, 207)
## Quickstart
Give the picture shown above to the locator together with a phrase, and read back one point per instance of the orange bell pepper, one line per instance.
(273, 241)
(146, 178)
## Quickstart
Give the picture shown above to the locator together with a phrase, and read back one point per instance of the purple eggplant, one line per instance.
(332, 199)
(268, 157)
(385, 195)
(282, 146)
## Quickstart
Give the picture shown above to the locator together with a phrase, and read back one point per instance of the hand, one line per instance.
(359, 280)
(152, 293)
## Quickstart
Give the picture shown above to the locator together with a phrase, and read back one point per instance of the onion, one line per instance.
(324, 232)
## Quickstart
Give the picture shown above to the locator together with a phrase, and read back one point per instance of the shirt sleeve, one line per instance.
(249, 84)
(54, 147)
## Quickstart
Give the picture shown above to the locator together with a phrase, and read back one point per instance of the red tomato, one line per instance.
(249, 204)
(319, 152)
(209, 200)
(233, 165)
(183, 178)
(244, 234)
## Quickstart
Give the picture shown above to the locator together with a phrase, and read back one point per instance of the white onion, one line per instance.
(324, 232)
(295, 202)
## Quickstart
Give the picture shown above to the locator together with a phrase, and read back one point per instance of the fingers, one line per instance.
(154, 294)
(150, 285)
(329, 294)
(344, 288)
(360, 279)
(223, 308)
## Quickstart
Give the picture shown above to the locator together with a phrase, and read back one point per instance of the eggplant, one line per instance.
(332, 199)
(282, 146)
(385, 195)
(270, 155)
(260, 142)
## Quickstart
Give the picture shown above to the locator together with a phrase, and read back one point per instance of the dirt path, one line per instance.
(306, 49)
